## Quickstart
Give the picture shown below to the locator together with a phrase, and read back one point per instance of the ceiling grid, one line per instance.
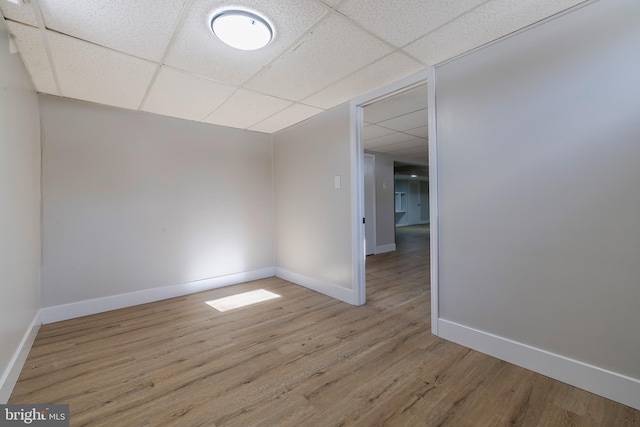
(161, 56)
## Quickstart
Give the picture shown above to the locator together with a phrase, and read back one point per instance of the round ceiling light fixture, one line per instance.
(241, 29)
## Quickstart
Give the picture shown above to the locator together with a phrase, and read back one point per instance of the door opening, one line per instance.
(389, 126)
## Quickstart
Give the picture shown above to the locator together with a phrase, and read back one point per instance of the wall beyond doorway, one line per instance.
(411, 200)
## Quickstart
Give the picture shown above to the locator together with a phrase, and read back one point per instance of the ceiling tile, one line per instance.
(402, 22)
(177, 94)
(422, 131)
(331, 3)
(381, 141)
(397, 105)
(285, 118)
(488, 22)
(374, 131)
(418, 152)
(34, 55)
(418, 143)
(141, 28)
(333, 50)
(94, 73)
(424, 151)
(245, 108)
(198, 51)
(20, 13)
(322, 56)
(407, 121)
(387, 70)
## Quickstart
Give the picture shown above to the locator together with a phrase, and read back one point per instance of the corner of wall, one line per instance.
(99, 305)
(343, 294)
(12, 372)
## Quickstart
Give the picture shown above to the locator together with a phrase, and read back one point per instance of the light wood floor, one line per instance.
(301, 360)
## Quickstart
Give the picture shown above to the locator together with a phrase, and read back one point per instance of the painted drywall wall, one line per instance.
(313, 217)
(19, 209)
(539, 210)
(424, 202)
(135, 201)
(385, 217)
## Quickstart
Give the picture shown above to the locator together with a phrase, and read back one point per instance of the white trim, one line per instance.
(391, 89)
(434, 217)
(385, 248)
(357, 205)
(611, 385)
(12, 372)
(326, 288)
(114, 302)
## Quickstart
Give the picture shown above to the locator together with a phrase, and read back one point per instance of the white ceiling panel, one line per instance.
(397, 105)
(407, 121)
(285, 118)
(324, 53)
(331, 3)
(406, 110)
(33, 53)
(420, 159)
(141, 28)
(94, 73)
(374, 131)
(387, 70)
(177, 94)
(394, 138)
(488, 22)
(423, 150)
(20, 13)
(403, 22)
(332, 51)
(245, 108)
(412, 143)
(198, 51)
(422, 131)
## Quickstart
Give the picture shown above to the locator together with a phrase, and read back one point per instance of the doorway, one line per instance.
(390, 126)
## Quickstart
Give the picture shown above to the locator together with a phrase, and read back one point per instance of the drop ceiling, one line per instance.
(397, 126)
(160, 56)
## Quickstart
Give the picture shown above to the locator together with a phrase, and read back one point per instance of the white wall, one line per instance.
(385, 216)
(19, 212)
(539, 204)
(313, 218)
(135, 201)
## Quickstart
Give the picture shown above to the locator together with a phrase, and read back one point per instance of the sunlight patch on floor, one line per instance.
(242, 300)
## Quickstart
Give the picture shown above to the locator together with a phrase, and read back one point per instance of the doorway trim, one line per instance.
(357, 176)
(434, 218)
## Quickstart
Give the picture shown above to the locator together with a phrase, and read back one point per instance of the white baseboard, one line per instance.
(614, 386)
(114, 302)
(326, 288)
(385, 248)
(12, 372)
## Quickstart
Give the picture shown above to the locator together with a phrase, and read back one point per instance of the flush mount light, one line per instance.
(241, 29)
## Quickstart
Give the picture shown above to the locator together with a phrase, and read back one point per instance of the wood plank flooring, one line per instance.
(300, 360)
